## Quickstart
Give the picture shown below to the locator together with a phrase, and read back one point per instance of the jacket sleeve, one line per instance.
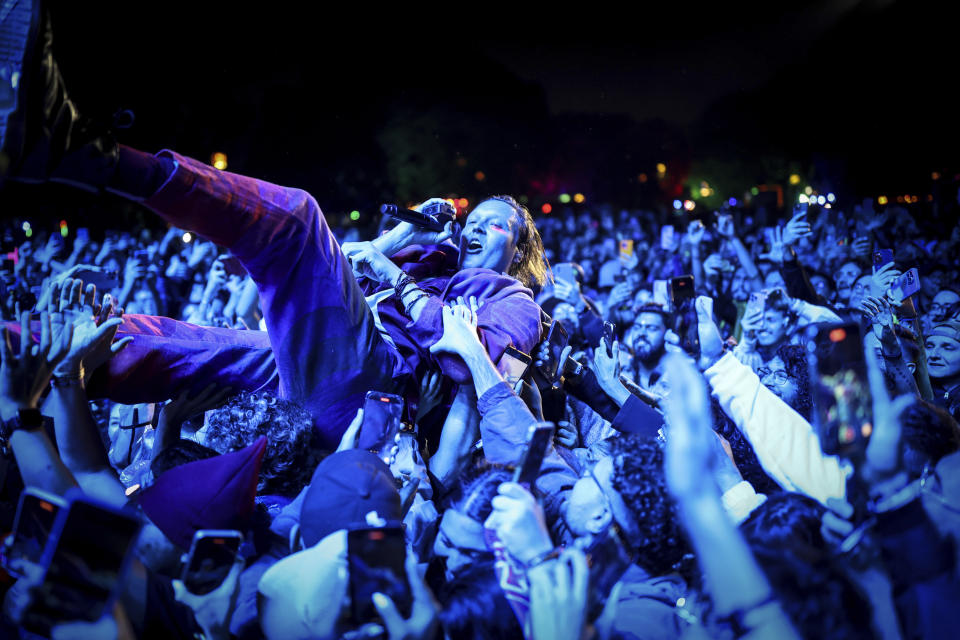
(504, 423)
(786, 445)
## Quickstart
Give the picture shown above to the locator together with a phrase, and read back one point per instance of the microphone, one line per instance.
(433, 217)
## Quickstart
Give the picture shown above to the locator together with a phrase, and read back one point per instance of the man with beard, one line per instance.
(845, 277)
(645, 338)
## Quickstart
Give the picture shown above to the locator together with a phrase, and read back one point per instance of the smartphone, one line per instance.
(609, 335)
(626, 249)
(513, 365)
(907, 284)
(83, 564)
(36, 514)
(566, 272)
(210, 559)
(756, 303)
(667, 237)
(607, 560)
(881, 258)
(556, 341)
(232, 266)
(381, 421)
(842, 404)
(376, 560)
(681, 290)
(538, 439)
(142, 256)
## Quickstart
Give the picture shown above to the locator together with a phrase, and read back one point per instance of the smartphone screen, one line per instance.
(841, 394)
(36, 515)
(681, 290)
(376, 559)
(381, 421)
(84, 560)
(661, 293)
(513, 365)
(881, 258)
(667, 237)
(556, 341)
(210, 560)
(609, 335)
(626, 248)
(530, 462)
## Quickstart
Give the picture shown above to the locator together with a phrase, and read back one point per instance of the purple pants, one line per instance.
(325, 344)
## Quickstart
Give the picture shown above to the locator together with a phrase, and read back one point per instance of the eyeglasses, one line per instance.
(780, 377)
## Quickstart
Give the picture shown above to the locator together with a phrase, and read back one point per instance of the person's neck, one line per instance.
(947, 384)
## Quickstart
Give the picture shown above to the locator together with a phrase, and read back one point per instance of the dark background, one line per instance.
(361, 106)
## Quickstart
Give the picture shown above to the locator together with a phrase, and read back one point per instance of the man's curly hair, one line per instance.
(290, 458)
(638, 478)
(795, 362)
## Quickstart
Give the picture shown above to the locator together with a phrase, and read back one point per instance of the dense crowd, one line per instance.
(702, 464)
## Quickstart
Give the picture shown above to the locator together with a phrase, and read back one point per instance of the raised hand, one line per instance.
(724, 226)
(90, 326)
(861, 246)
(518, 519)
(882, 278)
(695, 231)
(797, 229)
(558, 597)
(689, 456)
(24, 377)
(430, 386)
(422, 623)
(711, 344)
(879, 312)
(459, 329)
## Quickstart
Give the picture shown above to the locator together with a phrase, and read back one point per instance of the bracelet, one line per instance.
(401, 284)
(542, 557)
(67, 380)
(409, 306)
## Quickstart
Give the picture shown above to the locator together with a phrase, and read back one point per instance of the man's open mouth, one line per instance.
(474, 246)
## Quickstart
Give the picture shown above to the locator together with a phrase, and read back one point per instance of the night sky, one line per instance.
(855, 92)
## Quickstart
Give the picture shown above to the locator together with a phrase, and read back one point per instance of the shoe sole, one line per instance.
(18, 22)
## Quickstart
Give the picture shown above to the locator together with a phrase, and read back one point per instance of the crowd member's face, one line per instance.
(586, 510)
(821, 286)
(740, 285)
(459, 540)
(646, 335)
(860, 290)
(146, 303)
(941, 304)
(489, 237)
(774, 376)
(773, 327)
(943, 357)
(845, 277)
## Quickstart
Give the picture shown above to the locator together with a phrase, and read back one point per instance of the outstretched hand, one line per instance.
(711, 344)
(422, 623)
(24, 377)
(689, 456)
(91, 325)
(459, 329)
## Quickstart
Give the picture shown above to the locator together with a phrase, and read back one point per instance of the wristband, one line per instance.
(401, 285)
(409, 306)
(67, 380)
